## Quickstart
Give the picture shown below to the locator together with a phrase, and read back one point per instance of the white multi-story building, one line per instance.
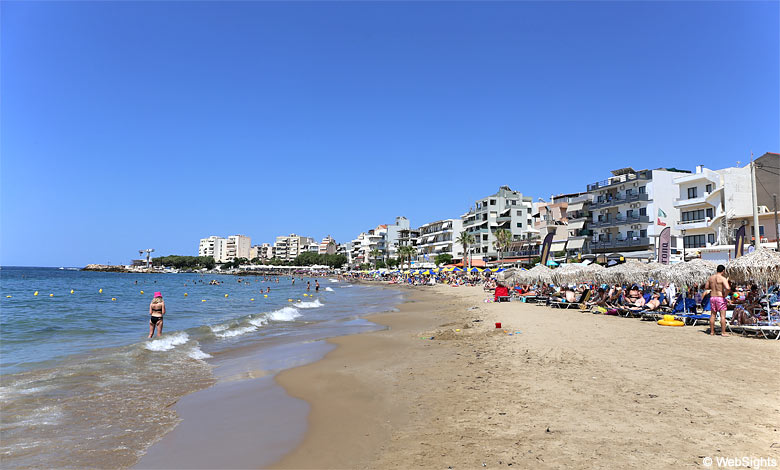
(237, 246)
(364, 248)
(289, 246)
(393, 236)
(506, 209)
(708, 202)
(438, 238)
(213, 246)
(630, 209)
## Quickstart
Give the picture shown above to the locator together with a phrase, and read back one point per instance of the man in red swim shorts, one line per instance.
(719, 288)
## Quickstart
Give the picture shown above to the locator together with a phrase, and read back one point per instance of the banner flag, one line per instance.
(739, 243)
(665, 246)
(546, 248)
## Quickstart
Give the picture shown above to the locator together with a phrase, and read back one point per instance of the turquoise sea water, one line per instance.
(80, 383)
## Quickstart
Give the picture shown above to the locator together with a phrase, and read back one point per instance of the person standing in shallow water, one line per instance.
(156, 312)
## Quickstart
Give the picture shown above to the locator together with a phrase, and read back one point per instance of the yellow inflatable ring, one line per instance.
(671, 323)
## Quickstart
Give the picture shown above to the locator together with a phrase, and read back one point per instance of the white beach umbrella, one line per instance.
(761, 266)
(538, 273)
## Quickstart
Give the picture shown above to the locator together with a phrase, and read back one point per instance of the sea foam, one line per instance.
(236, 331)
(314, 304)
(285, 314)
(196, 353)
(329, 289)
(167, 343)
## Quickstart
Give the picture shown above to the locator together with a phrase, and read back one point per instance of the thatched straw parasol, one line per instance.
(507, 275)
(628, 272)
(689, 273)
(566, 273)
(762, 265)
(538, 273)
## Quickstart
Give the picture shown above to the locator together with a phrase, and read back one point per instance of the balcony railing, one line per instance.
(619, 199)
(620, 243)
(617, 180)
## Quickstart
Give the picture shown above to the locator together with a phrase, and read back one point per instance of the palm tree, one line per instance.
(375, 254)
(406, 252)
(466, 239)
(503, 240)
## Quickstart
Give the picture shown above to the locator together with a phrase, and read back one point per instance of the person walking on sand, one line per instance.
(156, 312)
(718, 286)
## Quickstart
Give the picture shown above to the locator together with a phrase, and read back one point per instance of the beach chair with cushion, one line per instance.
(576, 304)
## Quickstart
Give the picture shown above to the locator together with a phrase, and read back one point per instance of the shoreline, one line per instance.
(564, 389)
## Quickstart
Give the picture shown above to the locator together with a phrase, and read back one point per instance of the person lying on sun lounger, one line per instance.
(599, 300)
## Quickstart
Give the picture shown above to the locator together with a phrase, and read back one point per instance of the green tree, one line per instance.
(503, 241)
(406, 252)
(373, 255)
(444, 258)
(466, 239)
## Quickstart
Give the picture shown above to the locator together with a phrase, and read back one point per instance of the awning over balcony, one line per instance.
(575, 244)
(577, 206)
(577, 225)
(558, 246)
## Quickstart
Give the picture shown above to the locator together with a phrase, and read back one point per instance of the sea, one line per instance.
(81, 385)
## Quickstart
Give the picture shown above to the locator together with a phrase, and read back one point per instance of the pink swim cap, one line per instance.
(157, 294)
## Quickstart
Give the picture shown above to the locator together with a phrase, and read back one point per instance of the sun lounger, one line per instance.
(583, 298)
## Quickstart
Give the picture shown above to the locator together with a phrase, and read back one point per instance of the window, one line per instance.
(630, 234)
(600, 199)
(529, 222)
(708, 188)
(711, 238)
(519, 225)
(519, 212)
(492, 202)
(643, 233)
(760, 231)
(643, 211)
(709, 212)
(630, 213)
(629, 192)
(484, 237)
(690, 216)
(601, 218)
(691, 194)
(642, 190)
(695, 241)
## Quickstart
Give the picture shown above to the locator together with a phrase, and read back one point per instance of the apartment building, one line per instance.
(577, 217)
(393, 233)
(237, 246)
(629, 210)
(264, 251)
(288, 247)
(506, 209)
(213, 246)
(327, 246)
(708, 201)
(440, 237)
(363, 249)
(553, 217)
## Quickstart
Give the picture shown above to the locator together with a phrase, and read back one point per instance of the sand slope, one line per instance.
(571, 390)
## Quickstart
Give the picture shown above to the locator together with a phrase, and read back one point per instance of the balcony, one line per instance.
(618, 243)
(693, 224)
(619, 199)
(617, 181)
(685, 202)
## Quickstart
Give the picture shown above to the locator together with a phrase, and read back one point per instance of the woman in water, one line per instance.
(156, 312)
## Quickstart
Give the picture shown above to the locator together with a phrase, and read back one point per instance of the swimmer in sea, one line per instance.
(308, 285)
(316, 285)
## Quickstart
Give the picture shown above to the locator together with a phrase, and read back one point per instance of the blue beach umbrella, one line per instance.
(551, 262)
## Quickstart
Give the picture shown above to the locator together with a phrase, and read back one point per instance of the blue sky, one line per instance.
(129, 125)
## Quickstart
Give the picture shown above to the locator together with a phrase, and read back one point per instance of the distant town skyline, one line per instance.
(127, 126)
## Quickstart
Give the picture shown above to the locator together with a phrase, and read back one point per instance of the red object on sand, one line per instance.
(498, 324)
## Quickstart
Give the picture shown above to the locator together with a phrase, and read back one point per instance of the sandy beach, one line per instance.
(565, 390)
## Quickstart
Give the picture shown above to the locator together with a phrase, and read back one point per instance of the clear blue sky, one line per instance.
(129, 125)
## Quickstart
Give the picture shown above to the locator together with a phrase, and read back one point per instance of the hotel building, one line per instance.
(288, 247)
(708, 202)
(506, 209)
(630, 209)
(437, 238)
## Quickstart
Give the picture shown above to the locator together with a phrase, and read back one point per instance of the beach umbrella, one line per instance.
(551, 262)
(566, 273)
(538, 273)
(629, 272)
(457, 270)
(506, 274)
(475, 270)
(762, 265)
(690, 273)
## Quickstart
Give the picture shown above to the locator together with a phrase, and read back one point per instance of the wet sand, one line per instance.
(565, 389)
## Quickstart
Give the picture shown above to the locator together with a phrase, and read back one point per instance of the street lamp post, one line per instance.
(683, 235)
